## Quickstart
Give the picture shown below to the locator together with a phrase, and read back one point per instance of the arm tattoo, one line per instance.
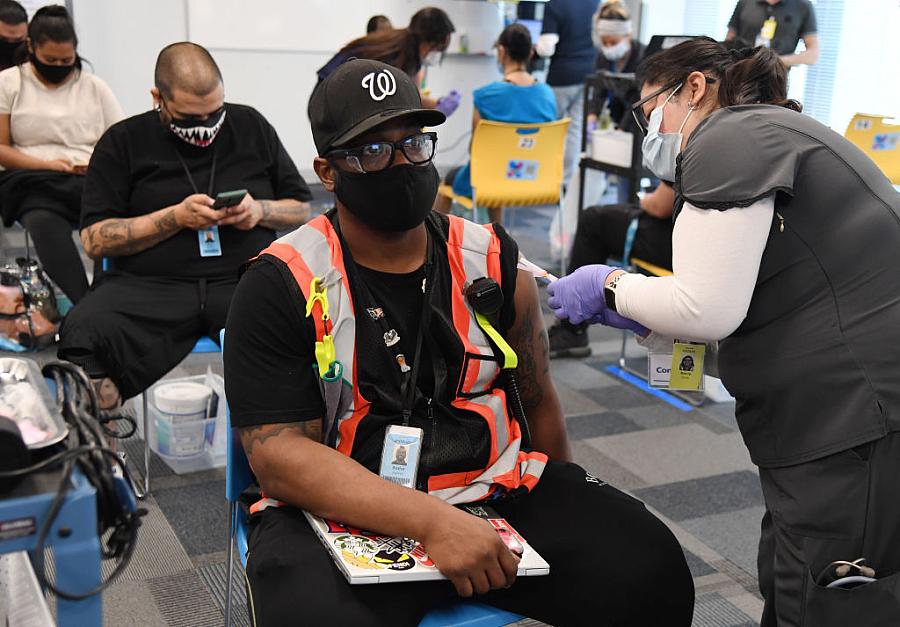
(283, 216)
(251, 437)
(532, 368)
(116, 236)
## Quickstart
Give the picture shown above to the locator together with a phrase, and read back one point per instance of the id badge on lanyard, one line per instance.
(208, 242)
(682, 369)
(402, 446)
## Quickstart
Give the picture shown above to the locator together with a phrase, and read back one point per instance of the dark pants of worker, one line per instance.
(611, 563)
(601, 235)
(135, 329)
(52, 236)
(841, 507)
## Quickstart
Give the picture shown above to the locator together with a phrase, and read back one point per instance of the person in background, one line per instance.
(600, 236)
(51, 116)
(619, 52)
(518, 98)
(779, 25)
(403, 271)
(13, 31)
(566, 39)
(785, 249)
(412, 49)
(377, 24)
(148, 208)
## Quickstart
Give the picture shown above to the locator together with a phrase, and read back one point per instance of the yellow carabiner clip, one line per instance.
(317, 293)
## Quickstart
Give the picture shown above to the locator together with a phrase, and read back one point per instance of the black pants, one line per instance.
(52, 236)
(601, 235)
(841, 507)
(611, 563)
(135, 329)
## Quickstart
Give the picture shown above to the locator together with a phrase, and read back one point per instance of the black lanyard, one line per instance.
(212, 173)
(410, 376)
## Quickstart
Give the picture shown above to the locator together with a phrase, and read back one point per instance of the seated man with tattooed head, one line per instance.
(148, 211)
(355, 336)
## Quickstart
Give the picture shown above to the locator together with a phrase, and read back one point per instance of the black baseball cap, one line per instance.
(360, 95)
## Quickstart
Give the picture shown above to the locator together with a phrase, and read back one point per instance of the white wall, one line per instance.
(269, 51)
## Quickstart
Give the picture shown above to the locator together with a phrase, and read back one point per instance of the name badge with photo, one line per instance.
(210, 245)
(682, 369)
(400, 455)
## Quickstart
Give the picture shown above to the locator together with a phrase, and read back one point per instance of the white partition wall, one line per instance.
(269, 51)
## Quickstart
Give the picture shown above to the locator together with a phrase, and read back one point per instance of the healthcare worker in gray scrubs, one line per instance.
(786, 250)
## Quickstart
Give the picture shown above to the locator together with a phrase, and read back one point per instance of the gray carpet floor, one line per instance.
(689, 466)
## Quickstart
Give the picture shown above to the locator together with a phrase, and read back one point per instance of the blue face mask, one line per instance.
(661, 149)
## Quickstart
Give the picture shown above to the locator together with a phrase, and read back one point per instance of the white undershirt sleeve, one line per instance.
(715, 262)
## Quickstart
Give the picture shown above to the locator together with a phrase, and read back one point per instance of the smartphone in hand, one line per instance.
(229, 199)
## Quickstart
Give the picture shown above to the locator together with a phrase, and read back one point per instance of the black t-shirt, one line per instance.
(269, 358)
(135, 170)
(794, 20)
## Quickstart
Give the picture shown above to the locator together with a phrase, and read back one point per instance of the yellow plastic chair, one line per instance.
(879, 137)
(515, 165)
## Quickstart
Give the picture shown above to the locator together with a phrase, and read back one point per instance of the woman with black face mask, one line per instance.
(51, 116)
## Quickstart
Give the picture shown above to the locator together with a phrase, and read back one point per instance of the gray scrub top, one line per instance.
(815, 365)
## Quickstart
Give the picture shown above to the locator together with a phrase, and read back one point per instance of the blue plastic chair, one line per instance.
(239, 476)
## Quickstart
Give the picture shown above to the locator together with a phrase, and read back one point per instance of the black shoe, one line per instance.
(568, 340)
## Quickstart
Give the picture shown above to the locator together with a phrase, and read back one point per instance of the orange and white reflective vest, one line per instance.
(312, 255)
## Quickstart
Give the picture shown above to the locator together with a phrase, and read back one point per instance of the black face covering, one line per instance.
(395, 199)
(8, 52)
(52, 73)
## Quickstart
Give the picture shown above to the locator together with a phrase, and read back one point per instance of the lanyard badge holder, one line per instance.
(208, 241)
(402, 442)
(680, 370)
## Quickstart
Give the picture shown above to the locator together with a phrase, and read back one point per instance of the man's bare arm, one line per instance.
(116, 237)
(281, 215)
(119, 237)
(810, 56)
(528, 337)
(292, 465)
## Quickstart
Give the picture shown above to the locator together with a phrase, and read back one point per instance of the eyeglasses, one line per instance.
(377, 156)
(637, 110)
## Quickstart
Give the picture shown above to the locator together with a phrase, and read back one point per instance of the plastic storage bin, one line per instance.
(185, 440)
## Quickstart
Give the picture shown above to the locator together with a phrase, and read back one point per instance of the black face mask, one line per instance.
(52, 73)
(8, 52)
(396, 199)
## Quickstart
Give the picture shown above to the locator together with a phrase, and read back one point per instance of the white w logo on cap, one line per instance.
(383, 83)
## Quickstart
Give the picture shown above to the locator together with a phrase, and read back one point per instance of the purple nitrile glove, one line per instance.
(579, 296)
(448, 104)
(610, 318)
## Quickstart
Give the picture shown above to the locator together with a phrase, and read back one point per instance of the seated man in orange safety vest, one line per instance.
(382, 315)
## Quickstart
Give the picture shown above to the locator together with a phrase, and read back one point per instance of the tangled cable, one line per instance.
(86, 446)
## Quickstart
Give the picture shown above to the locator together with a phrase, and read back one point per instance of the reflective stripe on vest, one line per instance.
(473, 251)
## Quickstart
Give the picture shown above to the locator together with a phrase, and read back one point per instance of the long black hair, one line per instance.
(50, 23)
(745, 75)
(400, 46)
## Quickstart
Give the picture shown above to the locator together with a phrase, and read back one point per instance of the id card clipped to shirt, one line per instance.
(682, 369)
(400, 455)
(210, 244)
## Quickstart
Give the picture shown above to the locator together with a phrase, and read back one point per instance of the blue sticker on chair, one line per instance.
(521, 170)
(885, 141)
